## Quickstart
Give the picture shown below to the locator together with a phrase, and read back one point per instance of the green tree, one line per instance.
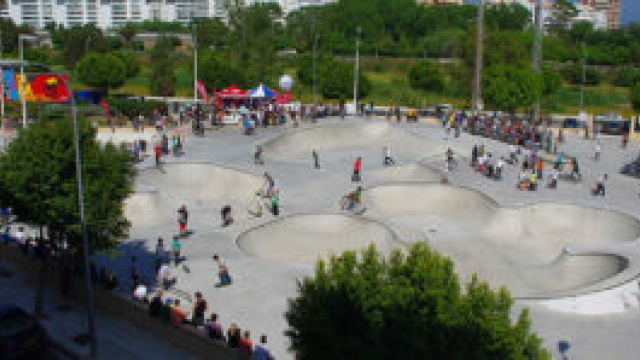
(407, 307)
(37, 172)
(626, 76)
(335, 80)
(163, 80)
(634, 97)
(216, 71)
(573, 75)
(565, 12)
(211, 33)
(550, 81)
(130, 62)
(508, 88)
(426, 75)
(128, 31)
(102, 71)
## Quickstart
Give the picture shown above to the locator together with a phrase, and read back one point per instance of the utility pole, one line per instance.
(315, 46)
(583, 115)
(195, 61)
(356, 73)
(477, 100)
(537, 55)
(1, 84)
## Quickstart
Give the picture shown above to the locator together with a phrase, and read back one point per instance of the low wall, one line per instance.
(185, 337)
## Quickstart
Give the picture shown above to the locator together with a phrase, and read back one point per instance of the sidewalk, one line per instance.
(116, 338)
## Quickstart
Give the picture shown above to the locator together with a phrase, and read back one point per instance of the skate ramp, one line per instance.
(521, 248)
(410, 173)
(203, 188)
(307, 238)
(360, 135)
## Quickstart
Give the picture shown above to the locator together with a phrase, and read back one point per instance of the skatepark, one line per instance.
(553, 250)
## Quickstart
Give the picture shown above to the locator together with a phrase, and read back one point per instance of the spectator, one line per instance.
(160, 253)
(199, 308)
(135, 277)
(246, 346)
(155, 307)
(163, 276)
(140, 292)
(223, 271)
(233, 336)
(177, 315)
(214, 329)
(21, 239)
(261, 352)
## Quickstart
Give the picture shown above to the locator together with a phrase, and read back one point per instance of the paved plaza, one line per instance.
(569, 256)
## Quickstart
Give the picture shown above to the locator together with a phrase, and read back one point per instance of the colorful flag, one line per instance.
(203, 91)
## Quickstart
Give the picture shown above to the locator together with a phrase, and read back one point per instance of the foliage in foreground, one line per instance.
(38, 180)
(408, 307)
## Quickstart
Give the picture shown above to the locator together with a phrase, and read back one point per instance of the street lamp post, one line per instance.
(356, 71)
(83, 224)
(23, 96)
(195, 62)
(315, 46)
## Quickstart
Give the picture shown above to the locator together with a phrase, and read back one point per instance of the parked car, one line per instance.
(21, 335)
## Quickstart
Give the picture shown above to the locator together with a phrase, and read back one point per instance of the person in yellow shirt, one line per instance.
(532, 182)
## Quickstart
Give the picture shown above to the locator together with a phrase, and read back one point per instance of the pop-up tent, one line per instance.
(262, 92)
(232, 92)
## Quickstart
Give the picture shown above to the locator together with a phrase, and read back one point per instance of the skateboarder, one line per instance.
(388, 160)
(183, 217)
(316, 159)
(357, 166)
(257, 156)
(225, 213)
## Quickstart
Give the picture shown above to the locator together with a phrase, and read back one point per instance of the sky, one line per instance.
(630, 10)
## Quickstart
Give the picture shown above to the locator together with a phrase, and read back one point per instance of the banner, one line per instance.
(37, 87)
(202, 91)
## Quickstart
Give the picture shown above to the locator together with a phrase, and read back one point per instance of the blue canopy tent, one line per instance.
(262, 92)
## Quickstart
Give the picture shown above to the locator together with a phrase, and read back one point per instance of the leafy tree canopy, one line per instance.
(508, 88)
(102, 71)
(407, 307)
(38, 178)
(425, 75)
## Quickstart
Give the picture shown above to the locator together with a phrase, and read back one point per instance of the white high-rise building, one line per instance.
(107, 14)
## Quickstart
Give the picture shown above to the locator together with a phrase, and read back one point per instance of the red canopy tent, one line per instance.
(232, 92)
(283, 98)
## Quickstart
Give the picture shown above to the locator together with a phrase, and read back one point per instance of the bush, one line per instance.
(425, 75)
(626, 77)
(573, 75)
(407, 307)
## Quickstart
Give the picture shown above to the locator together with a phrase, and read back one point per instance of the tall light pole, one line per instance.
(583, 116)
(537, 55)
(315, 46)
(195, 62)
(356, 73)
(23, 96)
(479, 59)
(83, 225)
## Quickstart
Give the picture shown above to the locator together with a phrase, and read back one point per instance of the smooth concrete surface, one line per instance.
(307, 238)
(583, 250)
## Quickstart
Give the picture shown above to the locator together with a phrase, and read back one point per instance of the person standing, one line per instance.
(275, 203)
(261, 351)
(199, 308)
(357, 167)
(246, 345)
(223, 271)
(183, 218)
(388, 160)
(540, 167)
(597, 150)
(316, 159)
(157, 149)
(176, 246)
(160, 253)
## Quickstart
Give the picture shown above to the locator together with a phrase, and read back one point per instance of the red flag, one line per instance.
(203, 91)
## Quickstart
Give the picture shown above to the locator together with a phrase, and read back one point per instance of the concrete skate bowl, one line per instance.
(406, 173)
(304, 239)
(203, 188)
(345, 136)
(541, 251)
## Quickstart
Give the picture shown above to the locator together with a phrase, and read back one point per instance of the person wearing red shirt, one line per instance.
(246, 346)
(357, 166)
(177, 315)
(158, 152)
